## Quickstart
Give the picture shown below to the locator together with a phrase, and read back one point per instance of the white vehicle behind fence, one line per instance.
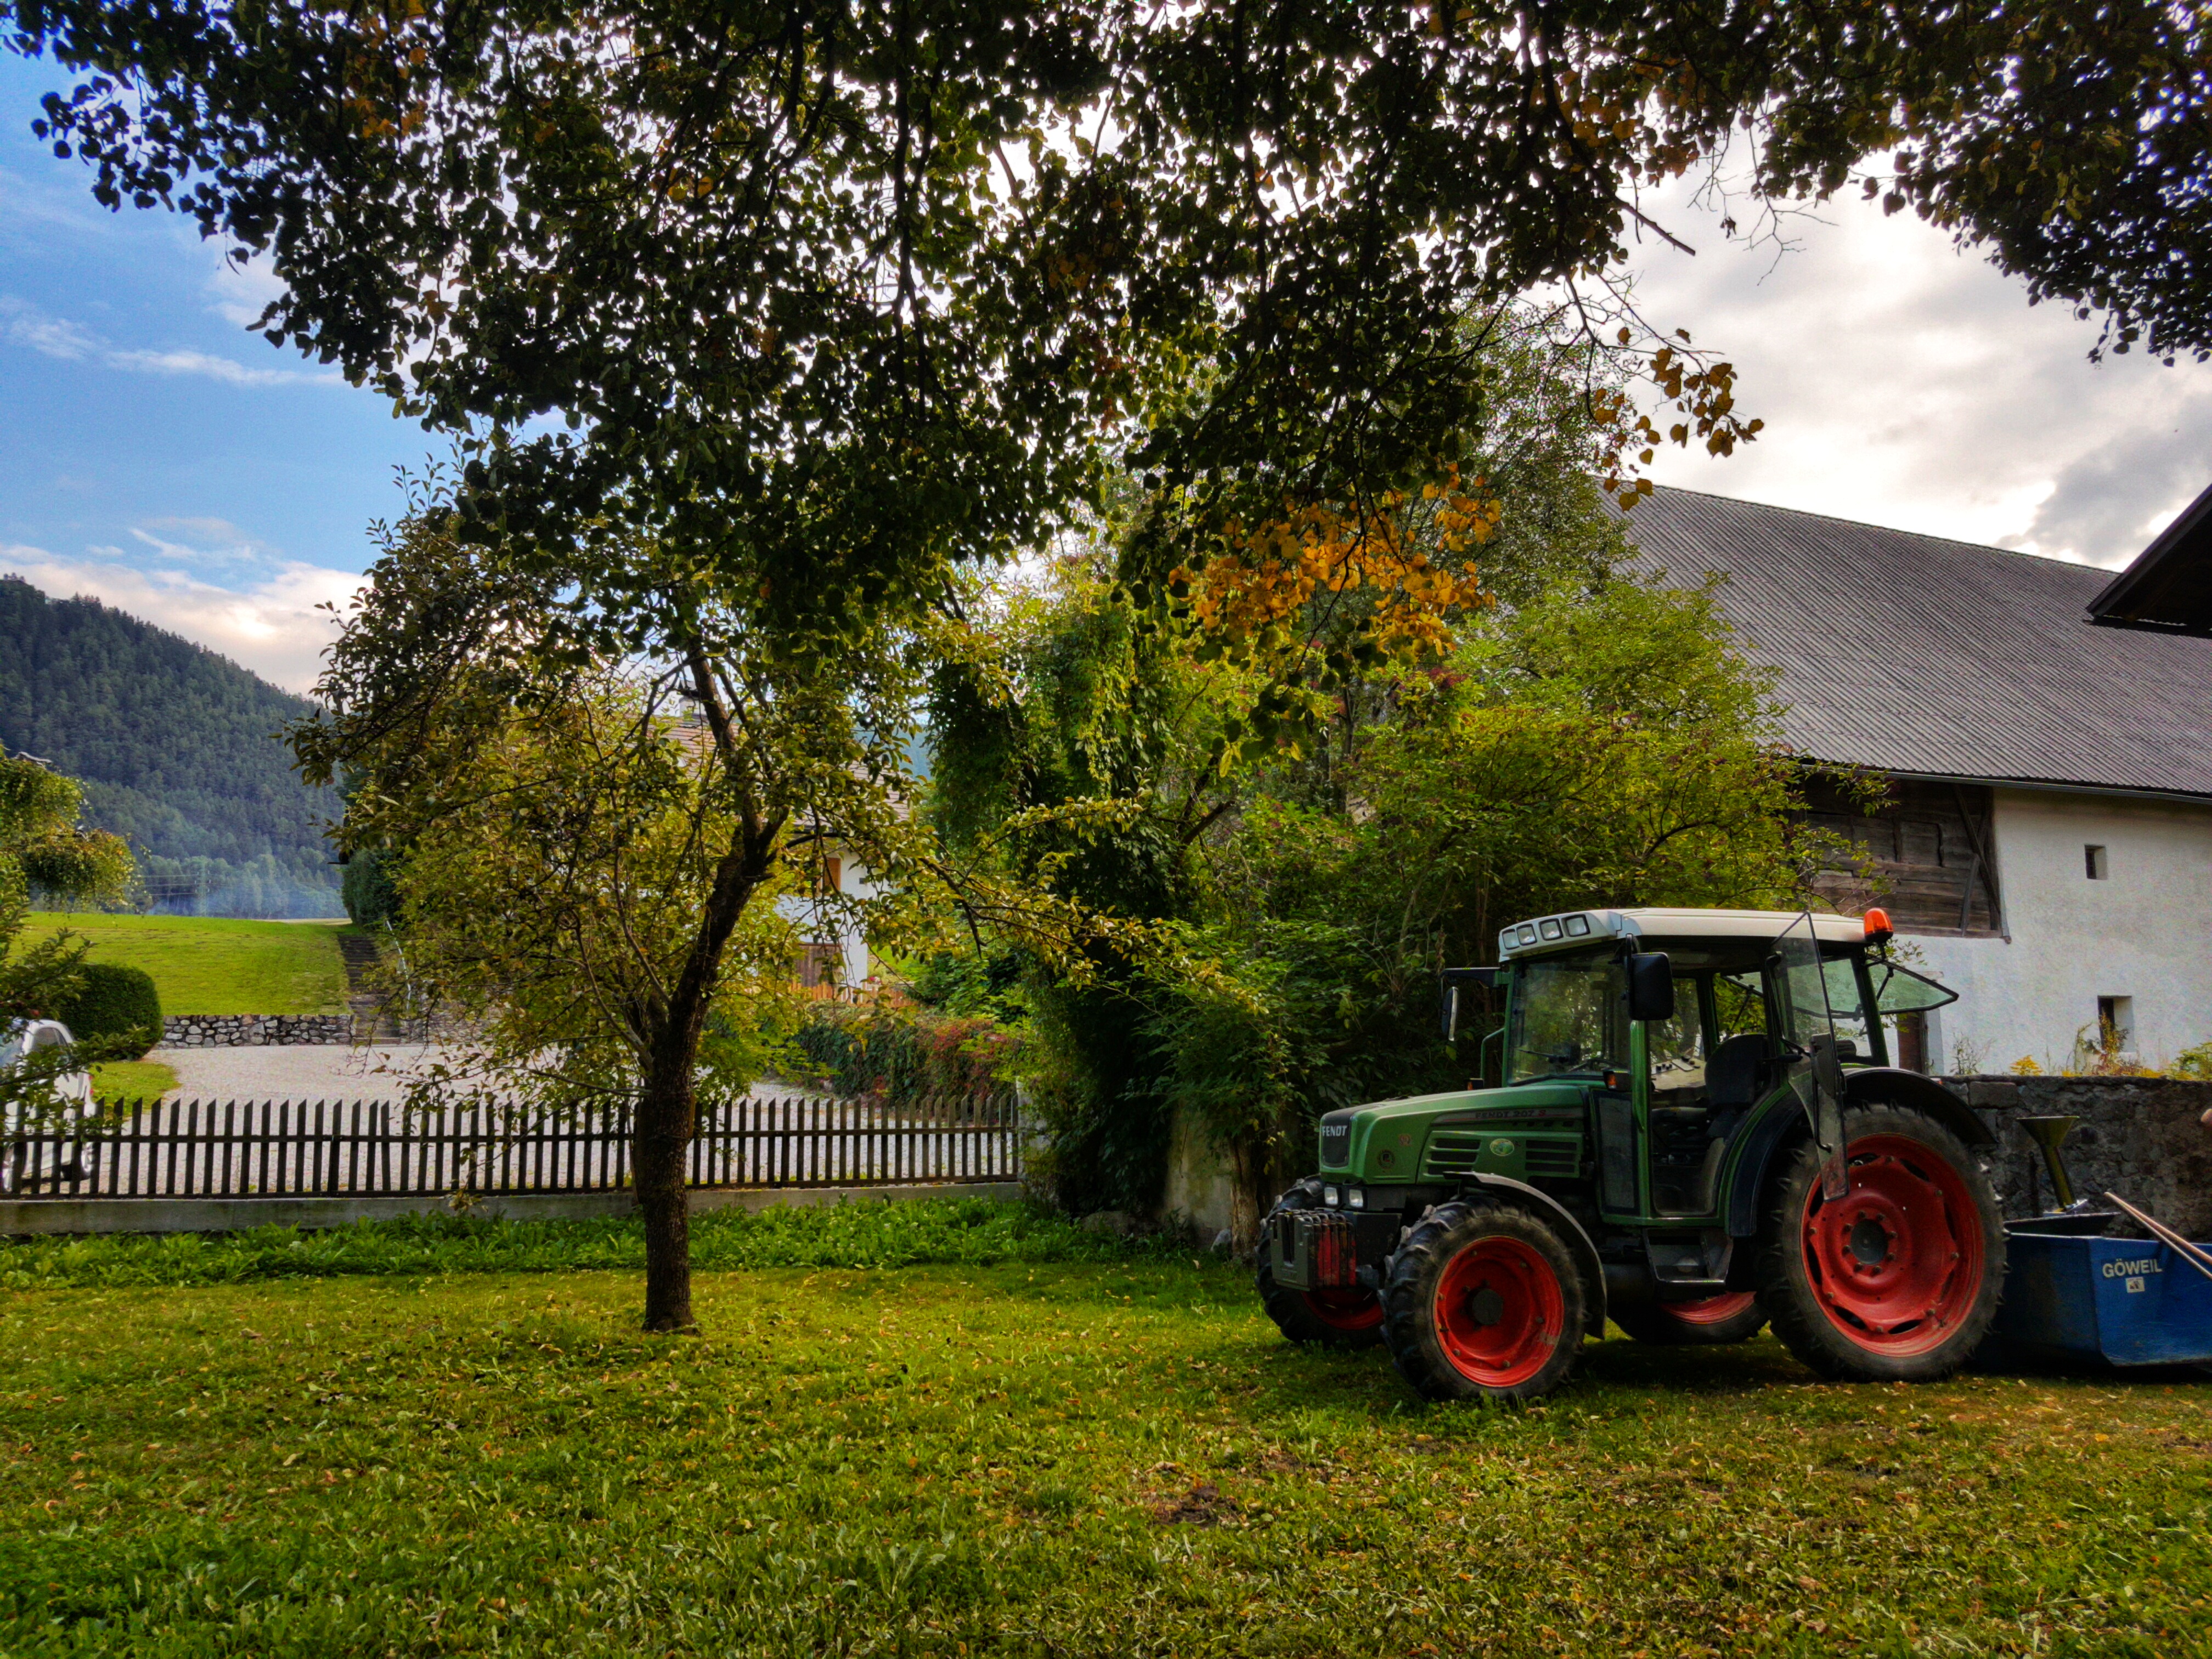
(26, 1165)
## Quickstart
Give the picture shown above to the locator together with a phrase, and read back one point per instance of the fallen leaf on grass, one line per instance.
(1203, 1505)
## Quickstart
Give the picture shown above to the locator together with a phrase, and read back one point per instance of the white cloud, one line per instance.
(25, 325)
(215, 541)
(220, 532)
(50, 336)
(272, 627)
(215, 368)
(240, 292)
(1906, 383)
(39, 203)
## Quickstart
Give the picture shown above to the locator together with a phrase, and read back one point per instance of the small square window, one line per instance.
(2094, 856)
(2116, 1021)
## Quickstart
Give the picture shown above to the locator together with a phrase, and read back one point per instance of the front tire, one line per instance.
(1734, 1316)
(1484, 1303)
(1347, 1319)
(1898, 1281)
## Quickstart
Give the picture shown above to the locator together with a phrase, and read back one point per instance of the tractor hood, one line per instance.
(1448, 1136)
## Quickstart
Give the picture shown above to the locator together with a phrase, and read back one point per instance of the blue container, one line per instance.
(2132, 1302)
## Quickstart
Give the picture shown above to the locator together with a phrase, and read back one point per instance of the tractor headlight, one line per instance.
(1355, 1199)
(1330, 1196)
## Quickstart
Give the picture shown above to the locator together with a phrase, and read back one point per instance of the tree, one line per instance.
(586, 849)
(1595, 743)
(45, 852)
(839, 290)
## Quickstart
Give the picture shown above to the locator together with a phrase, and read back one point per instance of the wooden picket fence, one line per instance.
(283, 1149)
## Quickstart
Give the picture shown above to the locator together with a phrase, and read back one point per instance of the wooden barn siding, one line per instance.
(1924, 856)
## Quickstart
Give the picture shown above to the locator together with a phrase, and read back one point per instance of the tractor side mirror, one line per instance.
(1650, 986)
(1449, 982)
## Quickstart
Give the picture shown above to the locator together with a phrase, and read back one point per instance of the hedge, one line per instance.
(113, 1000)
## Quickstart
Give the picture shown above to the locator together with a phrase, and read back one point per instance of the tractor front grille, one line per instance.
(1558, 1158)
(1454, 1154)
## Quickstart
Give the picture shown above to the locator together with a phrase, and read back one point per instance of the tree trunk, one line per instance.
(666, 1113)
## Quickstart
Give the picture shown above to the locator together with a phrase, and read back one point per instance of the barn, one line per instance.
(2042, 828)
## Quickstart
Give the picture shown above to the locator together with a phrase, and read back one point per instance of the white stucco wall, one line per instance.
(2140, 933)
(853, 879)
(821, 922)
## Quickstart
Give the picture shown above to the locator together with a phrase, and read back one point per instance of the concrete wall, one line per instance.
(1200, 1184)
(27, 1217)
(2140, 933)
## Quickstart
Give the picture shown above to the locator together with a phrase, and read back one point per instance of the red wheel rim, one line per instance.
(1500, 1312)
(1897, 1263)
(1345, 1310)
(1711, 1309)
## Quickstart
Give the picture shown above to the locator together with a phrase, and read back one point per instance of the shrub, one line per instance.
(112, 1000)
(367, 888)
(2195, 1064)
(907, 1055)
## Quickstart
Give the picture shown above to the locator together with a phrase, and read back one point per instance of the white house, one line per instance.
(835, 958)
(2046, 838)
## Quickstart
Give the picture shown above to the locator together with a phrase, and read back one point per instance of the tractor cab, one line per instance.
(1679, 1107)
(1690, 1020)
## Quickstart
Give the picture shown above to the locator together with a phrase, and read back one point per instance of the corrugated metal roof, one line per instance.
(2169, 589)
(1914, 654)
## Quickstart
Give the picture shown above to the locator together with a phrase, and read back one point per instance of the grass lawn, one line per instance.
(1064, 1458)
(216, 965)
(132, 1079)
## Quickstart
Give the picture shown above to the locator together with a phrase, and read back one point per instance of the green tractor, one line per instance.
(1696, 1130)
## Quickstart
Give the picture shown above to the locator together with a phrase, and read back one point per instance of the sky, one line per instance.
(155, 454)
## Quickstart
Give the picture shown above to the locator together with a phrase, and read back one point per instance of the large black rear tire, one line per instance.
(1324, 1318)
(1897, 1282)
(1484, 1301)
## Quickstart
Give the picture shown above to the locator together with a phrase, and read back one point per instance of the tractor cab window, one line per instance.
(1708, 1066)
(1677, 1046)
(1832, 1003)
(1899, 990)
(1739, 1006)
(1570, 1014)
(1847, 1009)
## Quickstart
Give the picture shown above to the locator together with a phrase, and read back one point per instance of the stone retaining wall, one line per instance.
(255, 1031)
(2142, 1138)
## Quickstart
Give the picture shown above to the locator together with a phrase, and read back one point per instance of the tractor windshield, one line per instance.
(1570, 1014)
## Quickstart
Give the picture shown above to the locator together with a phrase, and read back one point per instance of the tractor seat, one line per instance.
(1736, 1076)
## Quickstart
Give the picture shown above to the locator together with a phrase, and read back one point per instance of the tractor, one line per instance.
(1692, 1126)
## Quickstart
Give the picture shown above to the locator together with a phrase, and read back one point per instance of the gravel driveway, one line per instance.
(295, 1071)
(327, 1072)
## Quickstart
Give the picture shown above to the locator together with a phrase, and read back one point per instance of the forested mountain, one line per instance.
(178, 751)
